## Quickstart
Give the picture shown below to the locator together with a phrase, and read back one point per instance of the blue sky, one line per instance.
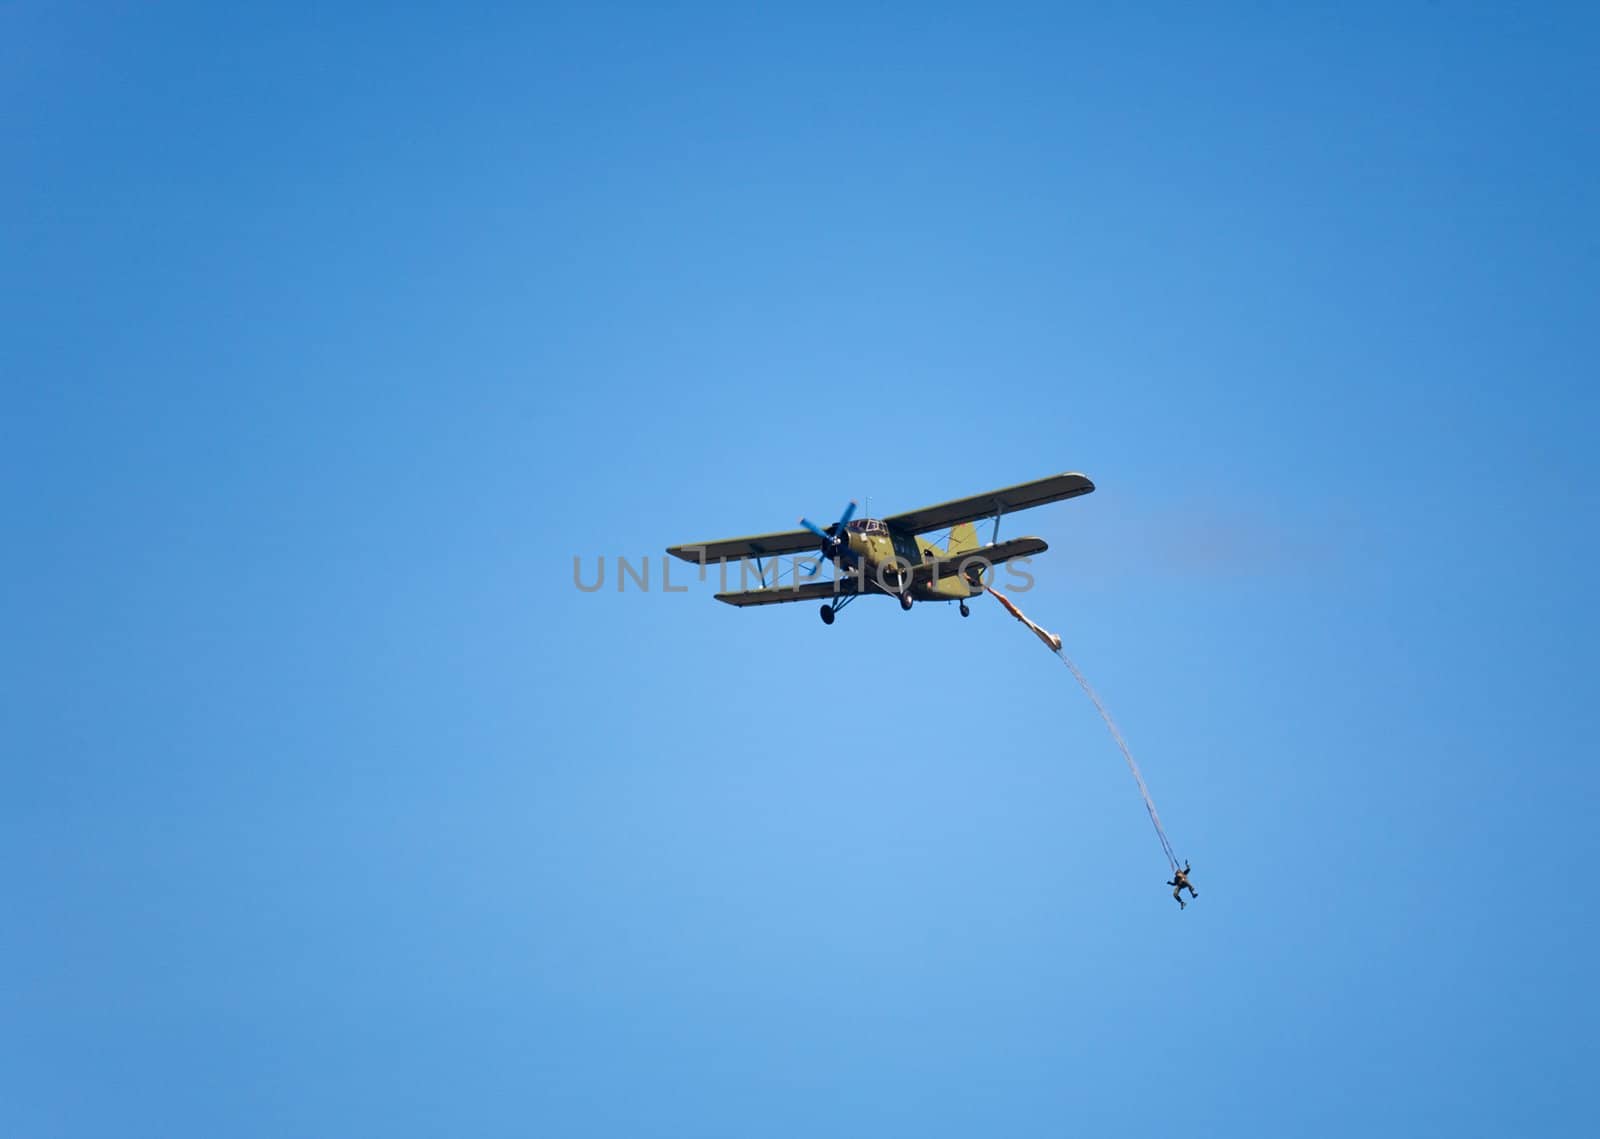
(330, 338)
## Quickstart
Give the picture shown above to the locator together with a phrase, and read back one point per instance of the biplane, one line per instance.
(890, 556)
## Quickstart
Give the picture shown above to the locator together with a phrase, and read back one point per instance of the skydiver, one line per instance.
(1180, 883)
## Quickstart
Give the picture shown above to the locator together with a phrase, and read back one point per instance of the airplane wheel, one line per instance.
(965, 612)
(905, 602)
(827, 614)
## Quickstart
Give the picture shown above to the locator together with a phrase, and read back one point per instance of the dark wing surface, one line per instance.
(755, 546)
(1006, 500)
(983, 556)
(812, 591)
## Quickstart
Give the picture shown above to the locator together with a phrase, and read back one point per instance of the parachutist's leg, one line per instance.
(1177, 896)
(1193, 893)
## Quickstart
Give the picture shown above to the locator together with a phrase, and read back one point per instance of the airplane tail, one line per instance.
(963, 538)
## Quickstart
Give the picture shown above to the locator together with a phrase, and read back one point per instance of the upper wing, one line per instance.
(811, 591)
(756, 546)
(978, 559)
(1007, 500)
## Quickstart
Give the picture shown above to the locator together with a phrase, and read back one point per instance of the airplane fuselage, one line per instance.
(883, 554)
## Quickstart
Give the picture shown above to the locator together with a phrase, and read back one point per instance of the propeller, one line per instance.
(834, 546)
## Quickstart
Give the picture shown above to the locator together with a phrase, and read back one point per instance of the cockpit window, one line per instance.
(868, 526)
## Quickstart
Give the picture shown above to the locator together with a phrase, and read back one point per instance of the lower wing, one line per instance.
(967, 562)
(777, 594)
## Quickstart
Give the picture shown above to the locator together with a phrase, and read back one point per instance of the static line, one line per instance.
(1127, 754)
(1053, 643)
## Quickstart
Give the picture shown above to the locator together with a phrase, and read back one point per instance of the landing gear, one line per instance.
(965, 612)
(830, 609)
(905, 602)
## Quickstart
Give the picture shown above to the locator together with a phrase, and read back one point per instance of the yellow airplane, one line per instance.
(888, 555)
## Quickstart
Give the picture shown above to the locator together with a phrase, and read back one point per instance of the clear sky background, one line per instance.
(331, 335)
